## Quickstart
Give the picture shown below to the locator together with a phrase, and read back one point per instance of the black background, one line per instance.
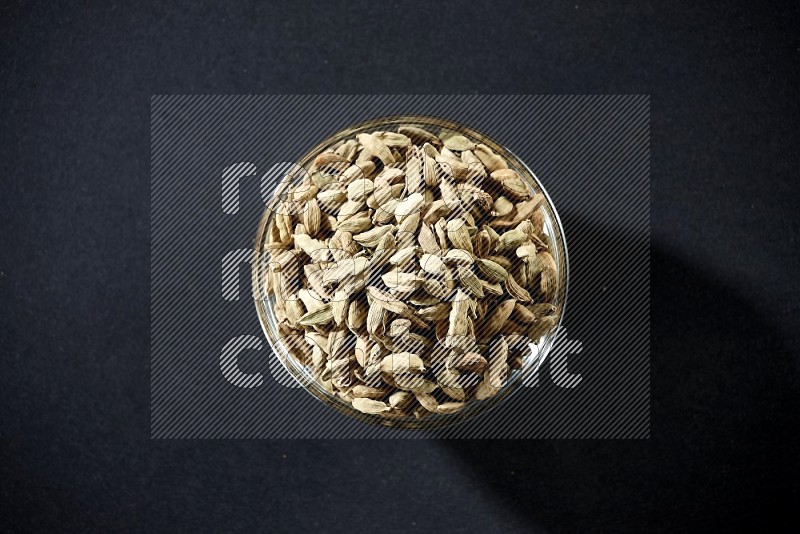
(74, 266)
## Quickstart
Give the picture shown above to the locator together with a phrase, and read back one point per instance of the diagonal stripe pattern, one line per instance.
(591, 153)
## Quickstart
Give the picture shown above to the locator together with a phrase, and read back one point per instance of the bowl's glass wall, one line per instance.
(264, 303)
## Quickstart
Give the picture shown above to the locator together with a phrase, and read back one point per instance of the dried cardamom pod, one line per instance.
(498, 318)
(490, 160)
(376, 147)
(319, 316)
(457, 142)
(470, 281)
(491, 270)
(458, 234)
(517, 291)
(370, 406)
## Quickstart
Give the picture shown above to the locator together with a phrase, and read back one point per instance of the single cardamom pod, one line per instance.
(491, 270)
(393, 139)
(458, 234)
(361, 391)
(523, 314)
(356, 315)
(427, 241)
(436, 312)
(414, 170)
(355, 225)
(447, 408)
(490, 160)
(430, 170)
(403, 256)
(376, 147)
(401, 282)
(418, 135)
(317, 317)
(372, 237)
(469, 361)
(409, 206)
(427, 401)
(432, 264)
(470, 281)
(457, 142)
(516, 188)
(477, 171)
(348, 149)
(360, 189)
(517, 291)
(400, 399)
(408, 228)
(498, 318)
(370, 406)
(502, 207)
(510, 240)
(549, 281)
(458, 256)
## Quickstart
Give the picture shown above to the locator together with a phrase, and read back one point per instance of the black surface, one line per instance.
(74, 260)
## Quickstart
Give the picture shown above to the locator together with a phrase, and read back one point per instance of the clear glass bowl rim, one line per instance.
(474, 408)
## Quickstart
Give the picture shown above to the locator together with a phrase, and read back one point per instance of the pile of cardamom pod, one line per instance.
(410, 271)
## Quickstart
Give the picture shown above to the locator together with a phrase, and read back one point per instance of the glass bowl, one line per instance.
(265, 303)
